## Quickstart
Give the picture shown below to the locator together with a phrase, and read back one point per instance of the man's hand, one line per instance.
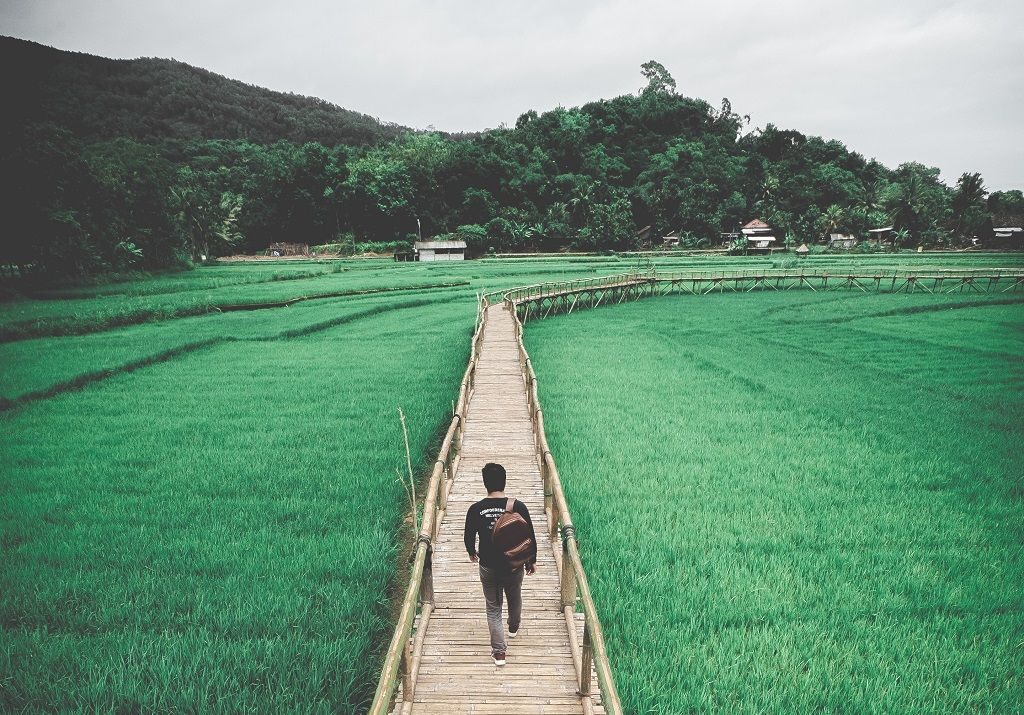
(531, 569)
(474, 558)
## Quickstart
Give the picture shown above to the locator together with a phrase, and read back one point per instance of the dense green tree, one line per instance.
(969, 204)
(205, 217)
(223, 167)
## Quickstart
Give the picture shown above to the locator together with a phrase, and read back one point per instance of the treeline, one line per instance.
(587, 178)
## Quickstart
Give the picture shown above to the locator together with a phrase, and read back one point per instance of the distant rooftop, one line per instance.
(434, 245)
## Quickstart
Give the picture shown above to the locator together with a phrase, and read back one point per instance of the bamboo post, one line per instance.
(408, 686)
(568, 580)
(427, 584)
(588, 661)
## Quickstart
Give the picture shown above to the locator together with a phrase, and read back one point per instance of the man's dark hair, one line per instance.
(494, 477)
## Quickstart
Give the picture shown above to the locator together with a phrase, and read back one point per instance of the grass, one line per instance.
(42, 365)
(797, 502)
(200, 291)
(201, 512)
(219, 532)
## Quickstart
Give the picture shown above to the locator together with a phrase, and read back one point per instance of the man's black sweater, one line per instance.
(480, 521)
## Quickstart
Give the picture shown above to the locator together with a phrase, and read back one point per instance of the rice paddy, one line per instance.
(199, 509)
(796, 502)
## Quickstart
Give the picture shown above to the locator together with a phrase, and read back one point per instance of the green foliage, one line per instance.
(658, 78)
(180, 178)
(207, 223)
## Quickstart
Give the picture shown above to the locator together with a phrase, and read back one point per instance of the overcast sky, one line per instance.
(935, 81)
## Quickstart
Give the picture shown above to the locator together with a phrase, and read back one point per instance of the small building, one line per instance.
(882, 235)
(405, 254)
(802, 251)
(643, 236)
(841, 241)
(440, 250)
(759, 235)
(287, 249)
(1007, 237)
(726, 239)
(670, 241)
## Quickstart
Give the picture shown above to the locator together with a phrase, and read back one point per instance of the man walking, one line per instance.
(497, 576)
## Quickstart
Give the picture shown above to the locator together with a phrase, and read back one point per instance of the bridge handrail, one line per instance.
(540, 290)
(399, 653)
(570, 565)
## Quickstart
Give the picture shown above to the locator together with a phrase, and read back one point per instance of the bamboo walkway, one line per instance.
(455, 673)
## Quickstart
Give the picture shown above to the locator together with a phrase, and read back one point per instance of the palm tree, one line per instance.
(905, 202)
(833, 218)
(870, 196)
(970, 193)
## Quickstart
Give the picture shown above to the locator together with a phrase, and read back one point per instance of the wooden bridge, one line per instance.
(442, 655)
(544, 299)
(439, 658)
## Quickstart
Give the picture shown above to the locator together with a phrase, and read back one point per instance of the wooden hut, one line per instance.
(440, 250)
(841, 241)
(882, 235)
(802, 251)
(759, 236)
(1007, 237)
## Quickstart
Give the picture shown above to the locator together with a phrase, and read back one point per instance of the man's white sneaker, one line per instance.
(513, 634)
(499, 658)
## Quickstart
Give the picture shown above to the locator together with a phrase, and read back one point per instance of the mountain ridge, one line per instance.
(151, 99)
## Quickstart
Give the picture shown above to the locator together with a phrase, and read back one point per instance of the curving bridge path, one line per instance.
(455, 673)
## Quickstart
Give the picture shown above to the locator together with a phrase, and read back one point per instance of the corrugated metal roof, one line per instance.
(432, 245)
(756, 223)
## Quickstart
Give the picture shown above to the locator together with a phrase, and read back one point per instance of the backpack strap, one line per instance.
(510, 504)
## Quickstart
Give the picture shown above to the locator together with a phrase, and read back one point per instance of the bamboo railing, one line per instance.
(574, 585)
(544, 290)
(399, 657)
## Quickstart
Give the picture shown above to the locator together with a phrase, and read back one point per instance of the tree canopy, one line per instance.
(91, 194)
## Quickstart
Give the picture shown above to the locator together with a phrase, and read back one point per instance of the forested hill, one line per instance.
(154, 99)
(147, 163)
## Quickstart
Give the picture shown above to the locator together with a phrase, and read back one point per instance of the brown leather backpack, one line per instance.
(511, 536)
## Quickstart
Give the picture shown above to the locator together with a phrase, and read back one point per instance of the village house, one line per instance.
(882, 235)
(1007, 237)
(440, 250)
(841, 241)
(759, 235)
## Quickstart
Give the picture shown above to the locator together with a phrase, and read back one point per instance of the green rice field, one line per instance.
(798, 502)
(199, 507)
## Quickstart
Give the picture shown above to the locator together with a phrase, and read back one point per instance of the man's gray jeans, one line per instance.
(494, 584)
